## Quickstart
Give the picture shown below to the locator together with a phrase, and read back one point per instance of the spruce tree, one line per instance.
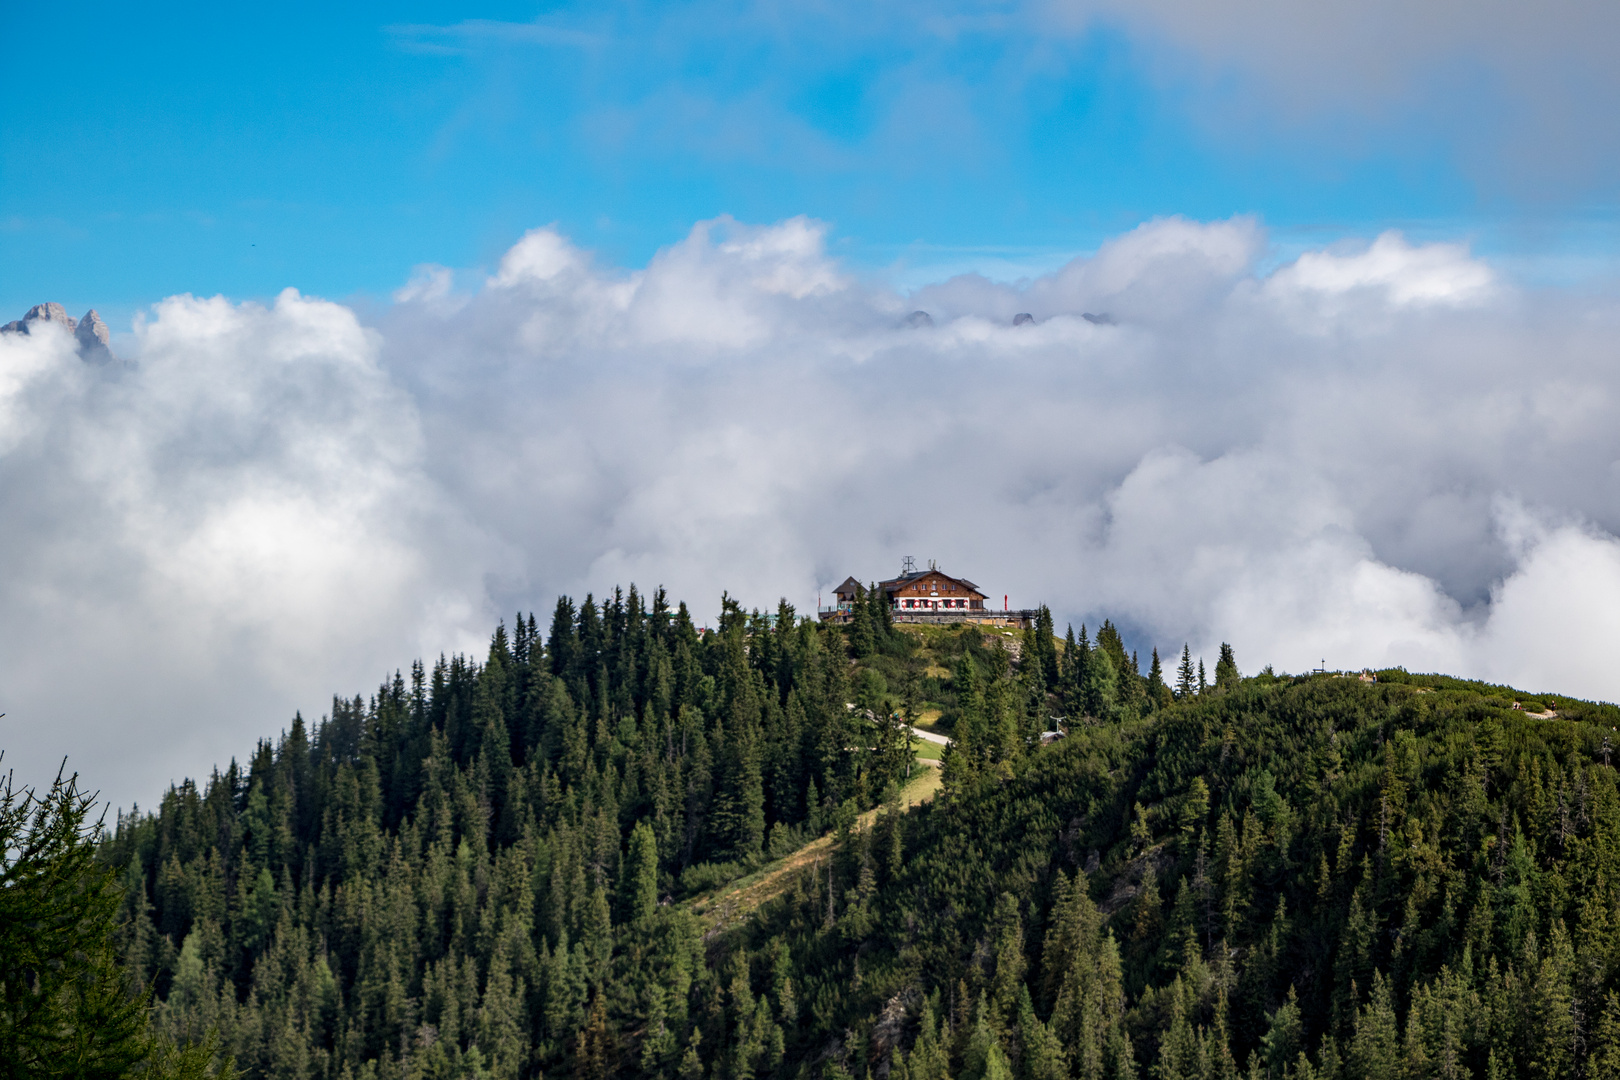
(1101, 688)
(1226, 671)
(640, 895)
(1185, 684)
(563, 647)
(1046, 645)
(862, 632)
(1068, 675)
(66, 1005)
(971, 740)
(1157, 692)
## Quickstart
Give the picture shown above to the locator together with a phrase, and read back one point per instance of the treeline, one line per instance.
(464, 873)
(481, 870)
(1298, 879)
(996, 715)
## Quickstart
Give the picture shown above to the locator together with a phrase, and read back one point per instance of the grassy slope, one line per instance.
(731, 903)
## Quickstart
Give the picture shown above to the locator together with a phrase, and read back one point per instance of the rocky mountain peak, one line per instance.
(93, 336)
(90, 334)
(42, 313)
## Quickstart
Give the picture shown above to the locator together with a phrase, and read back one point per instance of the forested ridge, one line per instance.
(483, 868)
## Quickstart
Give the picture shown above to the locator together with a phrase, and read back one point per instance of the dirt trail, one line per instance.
(735, 901)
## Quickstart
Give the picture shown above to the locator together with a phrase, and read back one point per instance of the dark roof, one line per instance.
(894, 583)
(850, 585)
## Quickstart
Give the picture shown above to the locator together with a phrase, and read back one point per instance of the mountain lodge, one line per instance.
(927, 596)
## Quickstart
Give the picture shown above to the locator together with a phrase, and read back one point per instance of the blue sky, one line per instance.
(239, 150)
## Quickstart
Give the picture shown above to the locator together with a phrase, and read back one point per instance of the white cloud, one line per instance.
(429, 283)
(1555, 619)
(542, 255)
(1351, 457)
(232, 531)
(1429, 274)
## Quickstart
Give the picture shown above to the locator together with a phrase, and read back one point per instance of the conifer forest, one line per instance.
(615, 845)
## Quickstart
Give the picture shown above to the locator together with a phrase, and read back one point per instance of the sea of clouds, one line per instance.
(1378, 453)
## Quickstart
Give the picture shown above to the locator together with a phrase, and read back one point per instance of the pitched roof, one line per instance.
(850, 585)
(895, 583)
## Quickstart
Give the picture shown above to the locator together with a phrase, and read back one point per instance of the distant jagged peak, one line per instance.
(90, 334)
(42, 313)
(93, 337)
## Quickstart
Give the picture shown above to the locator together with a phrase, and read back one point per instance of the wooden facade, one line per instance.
(932, 590)
(930, 596)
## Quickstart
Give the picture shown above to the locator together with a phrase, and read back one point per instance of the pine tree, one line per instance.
(1070, 671)
(640, 895)
(862, 632)
(1100, 693)
(971, 740)
(1185, 684)
(1605, 1056)
(1158, 694)
(985, 1059)
(1041, 1054)
(1046, 645)
(1007, 934)
(1226, 671)
(1284, 1039)
(1110, 642)
(1178, 1050)
(1079, 666)
(66, 1008)
(1551, 1048)
(928, 1060)
(1375, 1052)
(594, 1054)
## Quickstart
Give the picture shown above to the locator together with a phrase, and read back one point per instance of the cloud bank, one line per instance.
(1378, 453)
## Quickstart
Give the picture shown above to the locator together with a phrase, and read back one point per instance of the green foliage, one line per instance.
(67, 1008)
(1226, 669)
(464, 875)
(1277, 877)
(1285, 878)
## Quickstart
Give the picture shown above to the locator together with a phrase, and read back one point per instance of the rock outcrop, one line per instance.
(90, 334)
(41, 313)
(93, 337)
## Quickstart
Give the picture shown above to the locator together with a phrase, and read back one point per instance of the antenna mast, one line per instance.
(908, 565)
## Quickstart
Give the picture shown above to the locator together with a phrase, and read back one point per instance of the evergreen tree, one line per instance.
(1101, 689)
(1046, 646)
(1186, 686)
(1226, 672)
(1079, 670)
(641, 874)
(1068, 682)
(862, 632)
(1156, 690)
(66, 1006)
